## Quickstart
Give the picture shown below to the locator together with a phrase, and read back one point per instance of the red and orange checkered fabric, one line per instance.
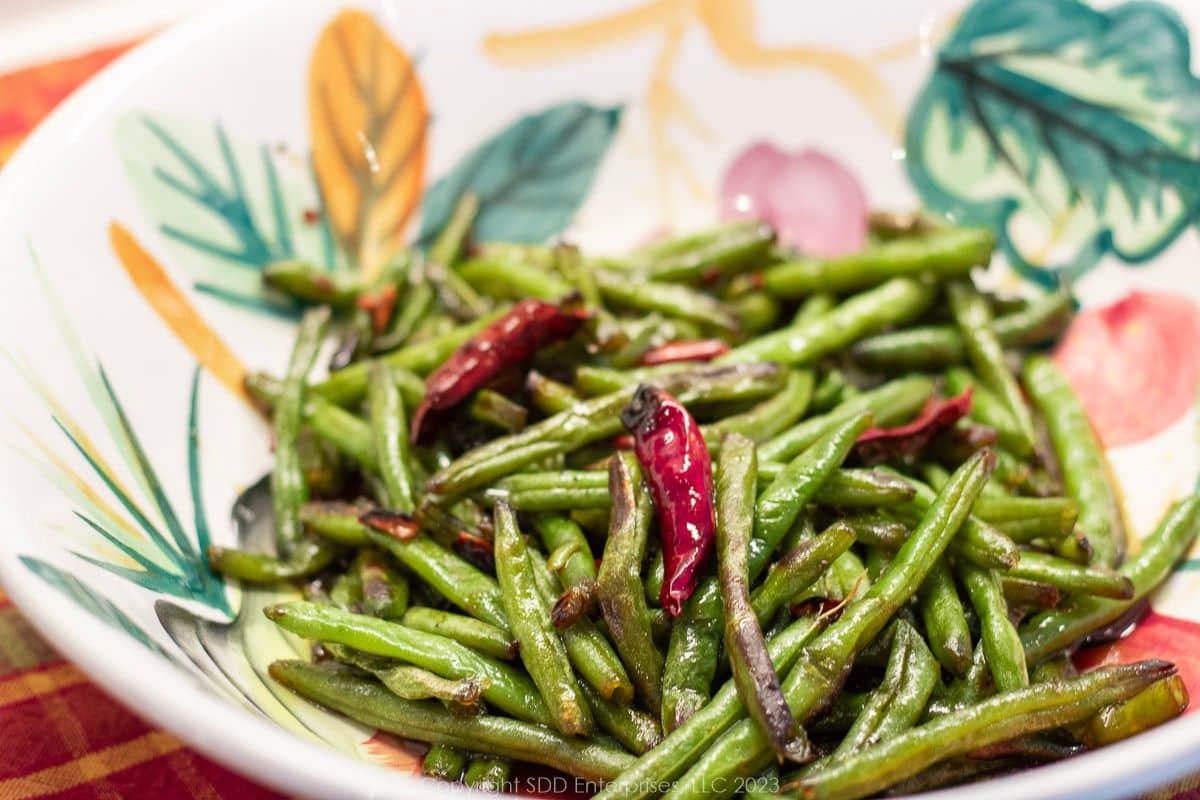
(62, 738)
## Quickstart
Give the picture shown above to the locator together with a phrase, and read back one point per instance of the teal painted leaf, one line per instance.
(194, 562)
(195, 484)
(225, 207)
(1074, 132)
(168, 562)
(91, 601)
(153, 535)
(531, 177)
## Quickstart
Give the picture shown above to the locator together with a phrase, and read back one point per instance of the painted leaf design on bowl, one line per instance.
(1071, 131)
(146, 540)
(225, 206)
(234, 655)
(150, 545)
(93, 602)
(228, 207)
(368, 122)
(531, 177)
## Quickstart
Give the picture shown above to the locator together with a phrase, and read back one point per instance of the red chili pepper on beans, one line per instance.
(509, 341)
(692, 350)
(674, 458)
(877, 445)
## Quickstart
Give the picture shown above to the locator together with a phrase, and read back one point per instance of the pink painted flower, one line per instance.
(1155, 636)
(1135, 364)
(814, 203)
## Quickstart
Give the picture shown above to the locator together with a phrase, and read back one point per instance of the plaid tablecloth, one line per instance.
(61, 737)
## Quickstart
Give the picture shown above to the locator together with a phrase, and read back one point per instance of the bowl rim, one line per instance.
(270, 755)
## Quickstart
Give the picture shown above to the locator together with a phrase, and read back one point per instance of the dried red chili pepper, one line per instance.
(877, 445)
(509, 341)
(691, 350)
(674, 458)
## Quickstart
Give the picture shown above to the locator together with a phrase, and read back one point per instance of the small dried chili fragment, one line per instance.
(573, 603)
(674, 457)
(509, 341)
(691, 350)
(475, 551)
(396, 524)
(877, 445)
(379, 305)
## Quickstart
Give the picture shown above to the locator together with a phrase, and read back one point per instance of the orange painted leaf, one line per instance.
(368, 119)
(173, 307)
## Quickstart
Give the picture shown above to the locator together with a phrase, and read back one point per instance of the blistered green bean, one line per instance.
(944, 620)
(507, 688)
(933, 347)
(891, 303)
(1084, 467)
(476, 634)
(376, 707)
(742, 750)
(893, 403)
(945, 253)
(288, 489)
(986, 355)
(1001, 644)
(692, 654)
(1051, 631)
(619, 585)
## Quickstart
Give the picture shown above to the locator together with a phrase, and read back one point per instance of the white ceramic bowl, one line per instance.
(128, 243)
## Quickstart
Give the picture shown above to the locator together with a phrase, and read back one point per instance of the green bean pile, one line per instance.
(906, 618)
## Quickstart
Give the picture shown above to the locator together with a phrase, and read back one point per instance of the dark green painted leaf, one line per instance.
(1074, 132)
(226, 207)
(91, 601)
(531, 177)
(191, 578)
